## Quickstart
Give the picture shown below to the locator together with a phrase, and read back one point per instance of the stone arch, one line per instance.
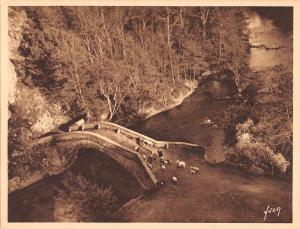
(69, 144)
(103, 170)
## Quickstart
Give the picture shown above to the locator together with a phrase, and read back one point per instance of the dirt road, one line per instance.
(215, 194)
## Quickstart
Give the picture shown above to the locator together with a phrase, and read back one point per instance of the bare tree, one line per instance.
(114, 93)
(221, 36)
(106, 34)
(169, 30)
(88, 44)
(203, 16)
(77, 86)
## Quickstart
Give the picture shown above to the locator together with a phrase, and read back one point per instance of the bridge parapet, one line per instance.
(129, 133)
(64, 150)
(90, 136)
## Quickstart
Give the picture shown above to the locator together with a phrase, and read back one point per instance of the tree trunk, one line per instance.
(204, 18)
(107, 35)
(220, 27)
(77, 87)
(169, 45)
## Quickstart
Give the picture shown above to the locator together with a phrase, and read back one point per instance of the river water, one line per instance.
(186, 122)
(264, 32)
(199, 119)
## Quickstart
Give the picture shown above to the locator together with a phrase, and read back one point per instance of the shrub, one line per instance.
(25, 160)
(280, 162)
(250, 152)
(86, 200)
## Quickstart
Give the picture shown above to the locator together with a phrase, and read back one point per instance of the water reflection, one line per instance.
(265, 35)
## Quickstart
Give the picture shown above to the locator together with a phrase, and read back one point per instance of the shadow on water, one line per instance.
(37, 202)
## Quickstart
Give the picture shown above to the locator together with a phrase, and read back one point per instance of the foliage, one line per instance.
(275, 111)
(250, 151)
(89, 203)
(31, 116)
(25, 160)
(117, 63)
(268, 142)
(95, 57)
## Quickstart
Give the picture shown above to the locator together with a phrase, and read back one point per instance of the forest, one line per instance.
(119, 63)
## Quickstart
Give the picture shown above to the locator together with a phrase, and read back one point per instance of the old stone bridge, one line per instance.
(129, 148)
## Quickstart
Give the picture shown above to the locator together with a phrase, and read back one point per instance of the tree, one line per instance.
(276, 116)
(233, 38)
(159, 46)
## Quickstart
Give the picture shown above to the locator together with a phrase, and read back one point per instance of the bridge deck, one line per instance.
(120, 138)
(119, 142)
(130, 139)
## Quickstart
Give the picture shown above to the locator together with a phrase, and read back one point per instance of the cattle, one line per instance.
(160, 153)
(180, 164)
(174, 179)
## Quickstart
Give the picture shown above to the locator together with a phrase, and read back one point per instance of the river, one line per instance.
(264, 33)
(186, 121)
(199, 119)
(272, 45)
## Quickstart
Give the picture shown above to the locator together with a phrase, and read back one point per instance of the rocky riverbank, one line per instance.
(189, 87)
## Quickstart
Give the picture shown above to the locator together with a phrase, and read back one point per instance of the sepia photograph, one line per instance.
(161, 114)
